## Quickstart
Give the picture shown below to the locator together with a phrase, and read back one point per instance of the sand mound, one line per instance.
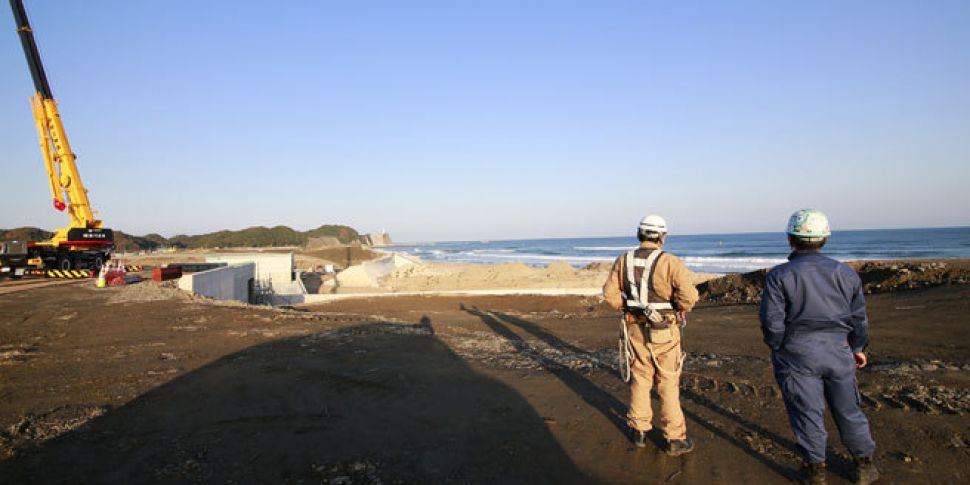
(370, 273)
(450, 276)
(511, 270)
(560, 268)
(145, 291)
(411, 274)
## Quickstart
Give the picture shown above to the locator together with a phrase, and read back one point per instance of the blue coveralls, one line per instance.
(813, 315)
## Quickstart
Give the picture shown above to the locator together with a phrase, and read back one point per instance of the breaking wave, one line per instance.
(719, 253)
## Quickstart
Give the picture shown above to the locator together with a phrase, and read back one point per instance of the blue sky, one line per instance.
(497, 119)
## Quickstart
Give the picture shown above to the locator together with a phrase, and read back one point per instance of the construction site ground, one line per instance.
(144, 384)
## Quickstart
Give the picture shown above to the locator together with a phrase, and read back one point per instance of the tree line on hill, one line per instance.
(251, 237)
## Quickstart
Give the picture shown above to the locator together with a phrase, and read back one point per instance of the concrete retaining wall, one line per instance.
(226, 283)
(275, 267)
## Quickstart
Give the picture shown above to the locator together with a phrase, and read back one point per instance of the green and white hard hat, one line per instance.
(809, 224)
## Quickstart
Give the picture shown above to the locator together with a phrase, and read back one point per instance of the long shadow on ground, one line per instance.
(614, 409)
(374, 402)
(611, 408)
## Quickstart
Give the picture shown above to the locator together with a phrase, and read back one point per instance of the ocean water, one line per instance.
(716, 253)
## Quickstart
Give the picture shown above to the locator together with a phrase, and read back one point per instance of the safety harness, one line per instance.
(638, 298)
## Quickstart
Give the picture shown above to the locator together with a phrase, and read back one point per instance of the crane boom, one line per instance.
(64, 179)
(84, 242)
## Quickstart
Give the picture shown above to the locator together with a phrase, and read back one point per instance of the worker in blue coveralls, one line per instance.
(813, 315)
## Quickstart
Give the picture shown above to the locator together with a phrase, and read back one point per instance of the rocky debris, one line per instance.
(882, 276)
(957, 441)
(733, 289)
(16, 353)
(905, 457)
(697, 361)
(499, 351)
(915, 367)
(921, 398)
(185, 465)
(908, 390)
(348, 473)
(877, 277)
(145, 291)
(32, 429)
(342, 336)
(704, 385)
(763, 445)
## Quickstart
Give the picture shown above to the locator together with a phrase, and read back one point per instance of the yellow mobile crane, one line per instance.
(85, 243)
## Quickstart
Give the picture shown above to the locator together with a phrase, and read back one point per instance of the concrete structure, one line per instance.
(376, 239)
(276, 281)
(234, 282)
(272, 269)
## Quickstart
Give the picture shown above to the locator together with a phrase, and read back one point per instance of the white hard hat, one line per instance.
(653, 223)
(809, 224)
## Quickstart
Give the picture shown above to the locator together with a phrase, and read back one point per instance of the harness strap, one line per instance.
(638, 295)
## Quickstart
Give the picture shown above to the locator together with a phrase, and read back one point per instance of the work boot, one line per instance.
(680, 447)
(865, 471)
(813, 473)
(640, 438)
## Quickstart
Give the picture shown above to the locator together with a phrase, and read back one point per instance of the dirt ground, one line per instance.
(143, 384)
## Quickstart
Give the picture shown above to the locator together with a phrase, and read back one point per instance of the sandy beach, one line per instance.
(400, 274)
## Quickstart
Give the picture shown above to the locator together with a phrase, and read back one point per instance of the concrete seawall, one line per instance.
(227, 283)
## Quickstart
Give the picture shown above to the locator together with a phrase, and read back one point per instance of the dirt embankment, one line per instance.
(877, 277)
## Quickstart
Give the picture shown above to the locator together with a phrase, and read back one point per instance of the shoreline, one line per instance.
(383, 272)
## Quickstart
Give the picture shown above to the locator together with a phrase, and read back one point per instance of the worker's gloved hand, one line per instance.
(860, 359)
(681, 316)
